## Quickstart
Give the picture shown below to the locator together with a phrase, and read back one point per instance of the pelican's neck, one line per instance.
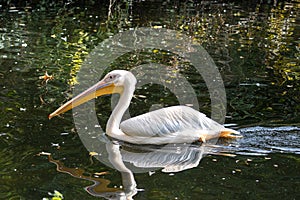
(113, 123)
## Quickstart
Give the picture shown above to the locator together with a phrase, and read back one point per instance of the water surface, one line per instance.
(256, 48)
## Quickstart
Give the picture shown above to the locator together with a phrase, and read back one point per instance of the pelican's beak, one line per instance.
(99, 89)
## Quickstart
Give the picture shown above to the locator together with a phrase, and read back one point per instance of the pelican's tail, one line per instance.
(230, 133)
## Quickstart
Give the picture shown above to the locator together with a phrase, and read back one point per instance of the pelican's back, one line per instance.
(168, 120)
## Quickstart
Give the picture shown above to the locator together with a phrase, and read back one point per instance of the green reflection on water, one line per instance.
(256, 48)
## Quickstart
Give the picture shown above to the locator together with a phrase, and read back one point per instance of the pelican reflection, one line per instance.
(131, 158)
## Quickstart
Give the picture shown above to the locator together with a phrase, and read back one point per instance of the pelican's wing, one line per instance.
(168, 121)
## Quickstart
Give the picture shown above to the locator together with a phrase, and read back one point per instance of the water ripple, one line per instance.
(264, 140)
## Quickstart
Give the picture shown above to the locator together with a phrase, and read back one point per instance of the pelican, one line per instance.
(175, 124)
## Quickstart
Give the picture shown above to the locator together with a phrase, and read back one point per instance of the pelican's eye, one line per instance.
(110, 78)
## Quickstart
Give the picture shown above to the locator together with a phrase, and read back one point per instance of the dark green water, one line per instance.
(255, 46)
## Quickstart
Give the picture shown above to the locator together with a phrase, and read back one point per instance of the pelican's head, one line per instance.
(113, 82)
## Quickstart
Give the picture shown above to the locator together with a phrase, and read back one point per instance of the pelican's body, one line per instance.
(176, 124)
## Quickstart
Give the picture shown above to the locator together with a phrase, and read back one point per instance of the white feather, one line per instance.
(173, 124)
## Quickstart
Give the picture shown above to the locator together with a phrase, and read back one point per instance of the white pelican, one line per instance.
(176, 124)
